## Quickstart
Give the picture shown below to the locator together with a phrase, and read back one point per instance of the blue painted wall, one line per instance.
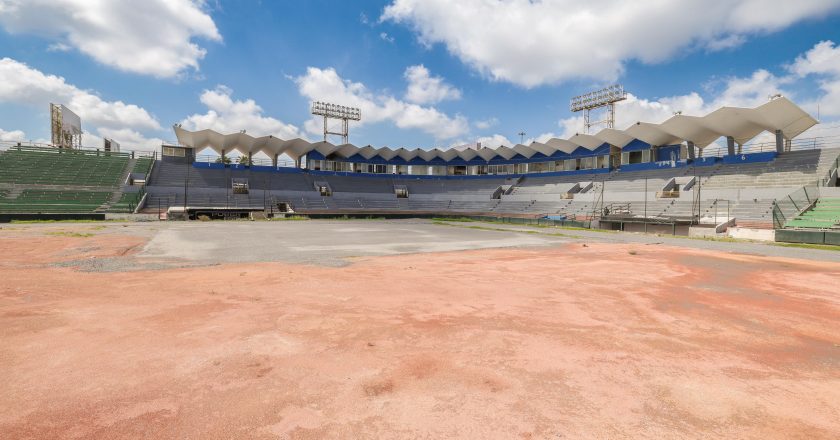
(750, 158)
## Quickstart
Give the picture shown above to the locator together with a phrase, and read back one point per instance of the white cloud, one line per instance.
(494, 141)
(127, 138)
(23, 85)
(822, 61)
(730, 41)
(326, 85)
(226, 115)
(385, 37)
(532, 42)
(423, 88)
(750, 91)
(151, 37)
(14, 135)
(486, 123)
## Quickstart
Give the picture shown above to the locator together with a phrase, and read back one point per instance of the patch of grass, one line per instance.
(29, 222)
(519, 231)
(448, 221)
(720, 239)
(824, 247)
(290, 218)
(70, 234)
(452, 219)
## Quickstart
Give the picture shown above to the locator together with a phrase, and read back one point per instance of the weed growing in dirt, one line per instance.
(70, 234)
(824, 247)
(452, 219)
(488, 228)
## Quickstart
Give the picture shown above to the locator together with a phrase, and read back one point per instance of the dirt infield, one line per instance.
(562, 339)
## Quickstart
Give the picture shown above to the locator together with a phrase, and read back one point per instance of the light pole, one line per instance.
(186, 184)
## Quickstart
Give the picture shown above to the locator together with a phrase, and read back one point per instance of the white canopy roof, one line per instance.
(742, 124)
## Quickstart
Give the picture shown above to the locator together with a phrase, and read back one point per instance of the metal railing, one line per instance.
(242, 160)
(793, 204)
(814, 143)
(831, 177)
(716, 204)
(38, 146)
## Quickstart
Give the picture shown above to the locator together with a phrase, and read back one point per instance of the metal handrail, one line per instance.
(796, 202)
(40, 146)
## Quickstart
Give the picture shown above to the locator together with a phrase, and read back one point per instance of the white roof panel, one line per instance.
(742, 124)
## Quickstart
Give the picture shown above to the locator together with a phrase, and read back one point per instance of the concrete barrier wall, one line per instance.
(752, 234)
(800, 236)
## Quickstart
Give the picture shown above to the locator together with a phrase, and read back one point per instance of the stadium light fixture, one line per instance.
(335, 111)
(606, 97)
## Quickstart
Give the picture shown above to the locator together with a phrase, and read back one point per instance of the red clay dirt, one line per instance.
(603, 341)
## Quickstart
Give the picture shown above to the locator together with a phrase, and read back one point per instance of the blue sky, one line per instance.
(426, 73)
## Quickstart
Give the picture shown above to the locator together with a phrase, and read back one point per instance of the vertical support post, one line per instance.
(186, 185)
(730, 145)
(346, 131)
(274, 160)
(780, 142)
(223, 156)
(646, 197)
(250, 158)
(586, 123)
(691, 155)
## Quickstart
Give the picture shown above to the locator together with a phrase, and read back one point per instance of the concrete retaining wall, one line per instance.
(752, 234)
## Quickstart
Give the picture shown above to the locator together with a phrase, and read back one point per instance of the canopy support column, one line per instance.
(250, 158)
(730, 145)
(690, 150)
(223, 155)
(780, 142)
(274, 160)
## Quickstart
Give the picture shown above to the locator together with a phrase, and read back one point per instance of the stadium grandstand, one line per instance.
(54, 182)
(706, 173)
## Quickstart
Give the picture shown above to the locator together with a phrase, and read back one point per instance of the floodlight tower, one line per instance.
(606, 97)
(335, 111)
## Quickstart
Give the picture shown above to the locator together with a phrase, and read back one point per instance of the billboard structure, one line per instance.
(110, 145)
(66, 127)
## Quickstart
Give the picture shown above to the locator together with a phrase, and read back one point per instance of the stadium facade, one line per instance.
(707, 175)
(680, 138)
